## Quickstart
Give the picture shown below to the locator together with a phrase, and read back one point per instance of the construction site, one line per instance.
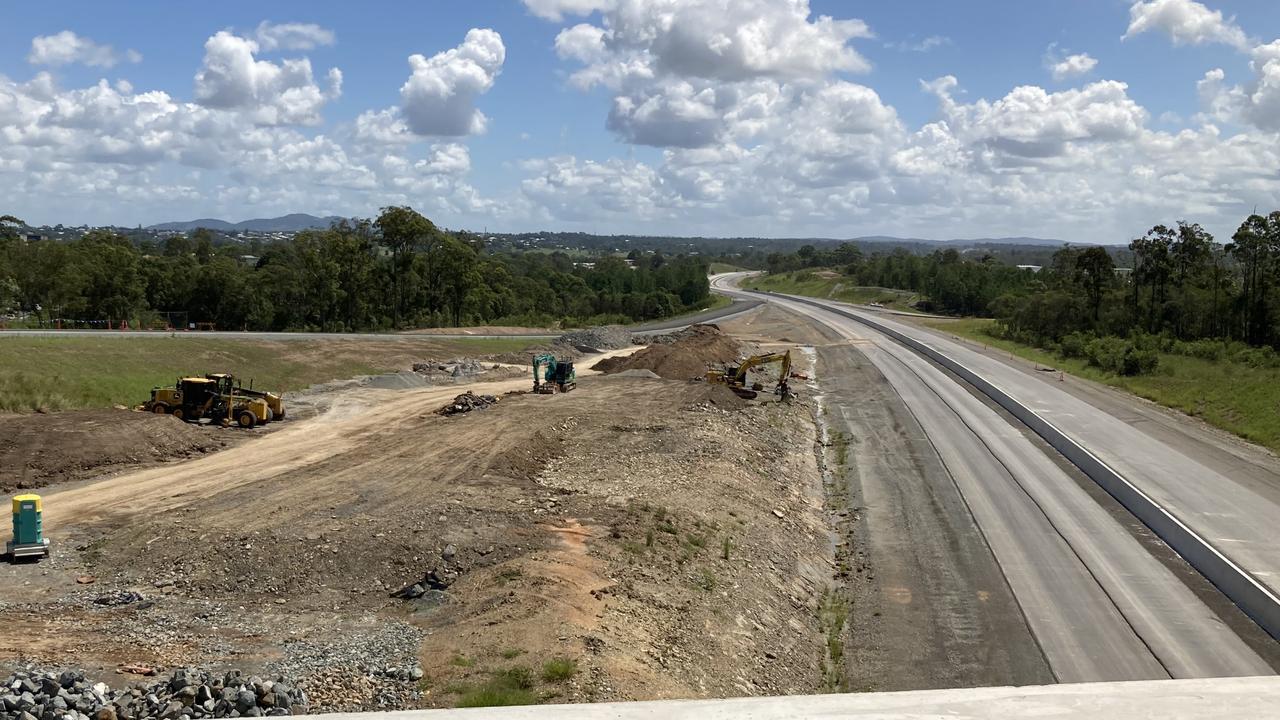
(607, 517)
(790, 499)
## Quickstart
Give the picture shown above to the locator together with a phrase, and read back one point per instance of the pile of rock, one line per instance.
(455, 368)
(607, 337)
(33, 695)
(466, 402)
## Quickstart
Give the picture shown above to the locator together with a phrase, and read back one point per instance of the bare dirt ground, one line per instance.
(38, 450)
(637, 538)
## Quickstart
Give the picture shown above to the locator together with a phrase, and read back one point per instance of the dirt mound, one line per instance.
(686, 357)
(45, 449)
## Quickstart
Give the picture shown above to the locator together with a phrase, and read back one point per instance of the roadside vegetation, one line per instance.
(1189, 322)
(833, 286)
(62, 373)
(1227, 392)
(396, 271)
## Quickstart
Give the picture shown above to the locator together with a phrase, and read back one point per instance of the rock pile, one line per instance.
(455, 368)
(188, 694)
(466, 402)
(607, 337)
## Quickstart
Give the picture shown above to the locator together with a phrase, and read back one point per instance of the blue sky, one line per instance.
(626, 134)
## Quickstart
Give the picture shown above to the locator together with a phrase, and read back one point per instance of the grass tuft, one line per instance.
(559, 669)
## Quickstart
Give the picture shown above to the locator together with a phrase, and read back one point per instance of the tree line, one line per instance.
(394, 271)
(1183, 292)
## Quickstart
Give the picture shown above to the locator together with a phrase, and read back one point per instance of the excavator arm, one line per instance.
(758, 360)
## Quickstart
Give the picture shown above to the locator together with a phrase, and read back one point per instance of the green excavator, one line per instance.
(557, 374)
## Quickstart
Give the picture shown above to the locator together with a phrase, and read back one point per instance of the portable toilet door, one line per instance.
(27, 523)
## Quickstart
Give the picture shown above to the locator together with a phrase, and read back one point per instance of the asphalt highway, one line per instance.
(1100, 606)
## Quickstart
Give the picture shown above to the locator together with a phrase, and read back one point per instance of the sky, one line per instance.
(1080, 120)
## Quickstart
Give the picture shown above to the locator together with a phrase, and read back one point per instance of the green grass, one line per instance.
(808, 283)
(1229, 395)
(559, 669)
(62, 373)
(495, 694)
(716, 268)
(833, 612)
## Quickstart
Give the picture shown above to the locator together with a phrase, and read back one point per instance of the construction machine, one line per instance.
(215, 397)
(275, 403)
(735, 376)
(557, 374)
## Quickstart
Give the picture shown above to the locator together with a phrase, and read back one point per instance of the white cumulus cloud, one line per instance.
(439, 96)
(284, 93)
(1071, 66)
(1186, 22)
(66, 47)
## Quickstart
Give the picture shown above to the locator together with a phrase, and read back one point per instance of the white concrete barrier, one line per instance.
(1199, 699)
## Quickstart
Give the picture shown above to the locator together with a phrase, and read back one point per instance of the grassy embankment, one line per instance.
(1227, 394)
(61, 373)
(831, 285)
(716, 268)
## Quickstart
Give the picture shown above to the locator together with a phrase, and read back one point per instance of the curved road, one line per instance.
(1100, 605)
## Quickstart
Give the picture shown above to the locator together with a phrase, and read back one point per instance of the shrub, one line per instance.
(1203, 349)
(559, 669)
(1074, 345)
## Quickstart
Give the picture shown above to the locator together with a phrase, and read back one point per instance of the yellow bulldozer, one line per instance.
(735, 376)
(218, 398)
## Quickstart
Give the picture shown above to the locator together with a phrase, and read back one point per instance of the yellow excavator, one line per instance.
(735, 376)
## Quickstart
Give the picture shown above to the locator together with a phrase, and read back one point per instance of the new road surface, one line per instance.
(1099, 604)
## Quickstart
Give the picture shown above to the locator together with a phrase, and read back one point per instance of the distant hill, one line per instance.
(286, 223)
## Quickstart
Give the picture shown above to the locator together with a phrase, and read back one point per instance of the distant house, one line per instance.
(36, 237)
(1032, 268)
(249, 259)
(1123, 272)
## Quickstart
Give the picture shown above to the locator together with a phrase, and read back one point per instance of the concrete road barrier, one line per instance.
(1254, 598)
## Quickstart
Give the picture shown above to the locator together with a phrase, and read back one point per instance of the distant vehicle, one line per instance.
(557, 375)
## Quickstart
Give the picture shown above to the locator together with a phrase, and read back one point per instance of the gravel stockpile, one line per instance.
(32, 695)
(376, 669)
(608, 337)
